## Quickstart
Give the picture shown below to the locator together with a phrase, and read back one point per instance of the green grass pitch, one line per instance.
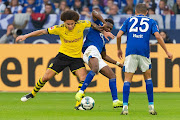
(59, 106)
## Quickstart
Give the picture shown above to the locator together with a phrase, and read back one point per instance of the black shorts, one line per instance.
(61, 61)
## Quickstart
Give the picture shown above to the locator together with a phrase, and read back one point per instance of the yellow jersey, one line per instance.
(71, 41)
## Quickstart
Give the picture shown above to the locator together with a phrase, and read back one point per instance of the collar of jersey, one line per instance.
(141, 15)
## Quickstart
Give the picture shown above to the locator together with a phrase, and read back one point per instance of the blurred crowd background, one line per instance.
(37, 14)
(85, 7)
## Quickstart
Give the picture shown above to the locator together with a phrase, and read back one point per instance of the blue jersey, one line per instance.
(95, 38)
(139, 29)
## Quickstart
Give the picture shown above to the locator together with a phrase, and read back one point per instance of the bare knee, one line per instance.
(45, 78)
(82, 77)
(112, 76)
(95, 69)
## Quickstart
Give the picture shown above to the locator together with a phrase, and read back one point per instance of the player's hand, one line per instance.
(105, 26)
(21, 38)
(120, 53)
(170, 56)
(120, 65)
(108, 34)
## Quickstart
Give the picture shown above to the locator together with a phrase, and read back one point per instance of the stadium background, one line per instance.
(22, 65)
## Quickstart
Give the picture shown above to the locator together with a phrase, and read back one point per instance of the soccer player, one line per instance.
(93, 54)
(138, 29)
(71, 36)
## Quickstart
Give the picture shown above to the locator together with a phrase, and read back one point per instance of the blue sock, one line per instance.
(113, 88)
(88, 80)
(149, 90)
(126, 90)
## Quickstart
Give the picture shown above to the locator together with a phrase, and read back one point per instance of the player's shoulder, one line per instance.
(59, 26)
(83, 21)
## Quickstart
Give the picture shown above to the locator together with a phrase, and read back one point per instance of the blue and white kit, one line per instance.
(94, 45)
(138, 29)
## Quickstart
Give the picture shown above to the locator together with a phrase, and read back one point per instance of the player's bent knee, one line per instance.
(45, 78)
(95, 70)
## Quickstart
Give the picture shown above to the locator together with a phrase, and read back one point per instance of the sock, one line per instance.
(149, 90)
(38, 86)
(126, 90)
(79, 87)
(88, 80)
(113, 88)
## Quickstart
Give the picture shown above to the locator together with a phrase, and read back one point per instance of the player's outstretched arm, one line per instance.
(97, 16)
(120, 33)
(32, 34)
(161, 42)
(110, 60)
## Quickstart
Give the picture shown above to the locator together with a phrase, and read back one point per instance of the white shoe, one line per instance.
(125, 110)
(27, 97)
(151, 110)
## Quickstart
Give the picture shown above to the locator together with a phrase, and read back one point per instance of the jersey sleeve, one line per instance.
(155, 27)
(124, 26)
(53, 30)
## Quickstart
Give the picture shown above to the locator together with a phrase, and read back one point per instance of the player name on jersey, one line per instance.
(137, 36)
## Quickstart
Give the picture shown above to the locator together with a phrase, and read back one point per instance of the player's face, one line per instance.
(70, 24)
(109, 27)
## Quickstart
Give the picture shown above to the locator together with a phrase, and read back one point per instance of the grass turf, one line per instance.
(59, 106)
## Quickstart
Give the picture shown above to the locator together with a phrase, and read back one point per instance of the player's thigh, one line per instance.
(59, 63)
(91, 56)
(144, 63)
(107, 72)
(94, 64)
(130, 64)
(81, 73)
(77, 67)
(147, 74)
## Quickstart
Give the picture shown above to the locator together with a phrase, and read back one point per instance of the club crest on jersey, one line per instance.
(51, 65)
(51, 27)
(157, 27)
(87, 22)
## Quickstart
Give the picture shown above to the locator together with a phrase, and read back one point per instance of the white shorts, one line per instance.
(92, 51)
(133, 61)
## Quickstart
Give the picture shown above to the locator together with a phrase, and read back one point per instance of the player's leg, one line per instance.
(149, 90)
(93, 64)
(77, 67)
(56, 66)
(91, 57)
(41, 82)
(126, 91)
(129, 68)
(145, 66)
(107, 71)
(81, 74)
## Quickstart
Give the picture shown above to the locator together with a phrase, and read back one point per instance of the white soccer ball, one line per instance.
(87, 103)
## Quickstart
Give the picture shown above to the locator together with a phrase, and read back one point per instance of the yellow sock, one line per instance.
(79, 87)
(38, 86)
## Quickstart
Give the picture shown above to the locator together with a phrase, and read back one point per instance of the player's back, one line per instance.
(139, 29)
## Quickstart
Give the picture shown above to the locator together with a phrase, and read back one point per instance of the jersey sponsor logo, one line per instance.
(137, 36)
(71, 41)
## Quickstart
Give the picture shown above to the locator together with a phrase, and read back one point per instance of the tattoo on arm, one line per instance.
(95, 26)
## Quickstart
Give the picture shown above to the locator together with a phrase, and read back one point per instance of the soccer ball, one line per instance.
(87, 103)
